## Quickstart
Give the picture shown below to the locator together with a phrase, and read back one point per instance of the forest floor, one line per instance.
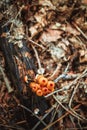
(43, 41)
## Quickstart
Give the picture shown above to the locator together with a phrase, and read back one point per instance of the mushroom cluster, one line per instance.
(42, 86)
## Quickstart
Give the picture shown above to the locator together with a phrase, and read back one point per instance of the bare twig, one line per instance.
(24, 107)
(67, 113)
(63, 74)
(80, 42)
(55, 112)
(80, 30)
(66, 108)
(56, 72)
(41, 70)
(34, 128)
(16, 17)
(30, 40)
(6, 81)
(75, 81)
(10, 127)
(56, 91)
(21, 122)
(75, 88)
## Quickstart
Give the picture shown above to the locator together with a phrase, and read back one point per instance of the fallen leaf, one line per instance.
(84, 2)
(51, 35)
(69, 29)
(56, 52)
(41, 18)
(46, 3)
(33, 31)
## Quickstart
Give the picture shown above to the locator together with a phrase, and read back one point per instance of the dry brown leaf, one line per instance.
(51, 35)
(63, 9)
(33, 30)
(56, 52)
(72, 30)
(46, 3)
(84, 2)
(69, 29)
(55, 26)
(41, 17)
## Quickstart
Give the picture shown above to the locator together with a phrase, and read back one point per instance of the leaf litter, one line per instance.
(43, 41)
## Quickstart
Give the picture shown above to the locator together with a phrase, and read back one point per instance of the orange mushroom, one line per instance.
(45, 90)
(39, 92)
(43, 81)
(38, 77)
(50, 85)
(33, 85)
(34, 89)
(50, 90)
